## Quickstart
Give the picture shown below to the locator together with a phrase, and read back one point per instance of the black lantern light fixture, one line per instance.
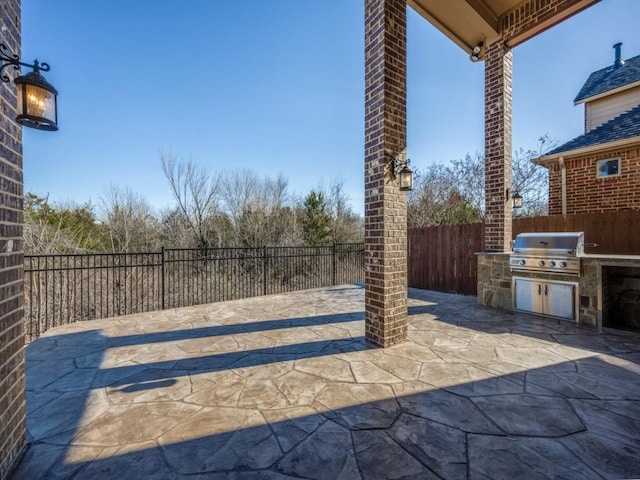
(400, 170)
(37, 98)
(515, 198)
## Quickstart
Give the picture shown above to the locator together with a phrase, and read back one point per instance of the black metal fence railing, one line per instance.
(61, 289)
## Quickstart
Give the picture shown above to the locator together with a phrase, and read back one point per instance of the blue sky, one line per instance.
(276, 87)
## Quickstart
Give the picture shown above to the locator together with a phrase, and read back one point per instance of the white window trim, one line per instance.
(601, 177)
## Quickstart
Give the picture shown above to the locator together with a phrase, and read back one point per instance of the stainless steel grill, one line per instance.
(550, 252)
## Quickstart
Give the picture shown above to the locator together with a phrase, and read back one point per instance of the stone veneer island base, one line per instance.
(608, 286)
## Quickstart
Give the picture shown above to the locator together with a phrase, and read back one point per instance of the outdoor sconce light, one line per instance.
(476, 52)
(516, 199)
(401, 171)
(37, 98)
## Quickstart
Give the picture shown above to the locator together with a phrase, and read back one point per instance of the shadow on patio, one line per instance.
(216, 391)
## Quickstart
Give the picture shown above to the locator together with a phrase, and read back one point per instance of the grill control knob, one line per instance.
(522, 262)
(552, 263)
(563, 264)
(541, 263)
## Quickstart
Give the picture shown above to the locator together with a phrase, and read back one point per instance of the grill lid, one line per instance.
(549, 243)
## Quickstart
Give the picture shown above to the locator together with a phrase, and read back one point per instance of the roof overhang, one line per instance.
(465, 22)
(613, 91)
(469, 22)
(546, 160)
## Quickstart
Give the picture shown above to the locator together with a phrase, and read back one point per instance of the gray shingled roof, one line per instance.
(626, 125)
(610, 78)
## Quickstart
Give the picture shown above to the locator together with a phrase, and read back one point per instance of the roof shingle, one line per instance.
(626, 125)
(610, 78)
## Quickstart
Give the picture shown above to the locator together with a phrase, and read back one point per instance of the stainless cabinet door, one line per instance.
(528, 295)
(559, 300)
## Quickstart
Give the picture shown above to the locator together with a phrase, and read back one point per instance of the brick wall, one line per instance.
(12, 401)
(588, 194)
(534, 16)
(524, 21)
(498, 113)
(385, 204)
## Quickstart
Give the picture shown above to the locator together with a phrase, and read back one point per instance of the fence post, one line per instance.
(158, 290)
(264, 270)
(162, 277)
(333, 265)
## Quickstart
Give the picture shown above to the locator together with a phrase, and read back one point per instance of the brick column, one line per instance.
(12, 397)
(385, 139)
(497, 162)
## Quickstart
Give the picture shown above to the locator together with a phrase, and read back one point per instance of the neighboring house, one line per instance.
(599, 171)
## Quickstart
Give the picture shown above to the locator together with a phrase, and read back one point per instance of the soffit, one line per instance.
(468, 22)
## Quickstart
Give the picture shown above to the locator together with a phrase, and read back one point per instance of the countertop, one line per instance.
(604, 256)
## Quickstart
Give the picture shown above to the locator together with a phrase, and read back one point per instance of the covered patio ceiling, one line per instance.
(468, 22)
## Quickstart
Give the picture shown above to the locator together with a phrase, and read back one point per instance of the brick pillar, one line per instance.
(385, 204)
(12, 397)
(497, 117)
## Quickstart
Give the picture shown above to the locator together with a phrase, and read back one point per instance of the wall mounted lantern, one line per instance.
(37, 98)
(400, 170)
(516, 199)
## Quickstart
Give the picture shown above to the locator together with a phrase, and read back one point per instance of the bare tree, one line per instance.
(129, 220)
(345, 224)
(531, 180)
(43, 239)
(239, 190)
(281, 220)
(438, 199)
(468, 177)
(196, 192)
(258, 209)
(455, 193)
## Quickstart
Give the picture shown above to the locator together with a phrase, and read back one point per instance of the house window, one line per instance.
(608, 168)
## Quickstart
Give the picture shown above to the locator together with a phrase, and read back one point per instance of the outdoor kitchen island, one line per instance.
(607, 295)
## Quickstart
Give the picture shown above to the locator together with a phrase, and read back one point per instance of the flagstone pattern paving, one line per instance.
(285, 386)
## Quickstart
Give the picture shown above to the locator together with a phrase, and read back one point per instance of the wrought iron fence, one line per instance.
(62, 289)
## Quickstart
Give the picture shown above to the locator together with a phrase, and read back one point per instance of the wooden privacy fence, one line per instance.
(442, 258)
(614, 232)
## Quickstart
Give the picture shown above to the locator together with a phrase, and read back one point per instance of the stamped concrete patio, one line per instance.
(285, 386)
